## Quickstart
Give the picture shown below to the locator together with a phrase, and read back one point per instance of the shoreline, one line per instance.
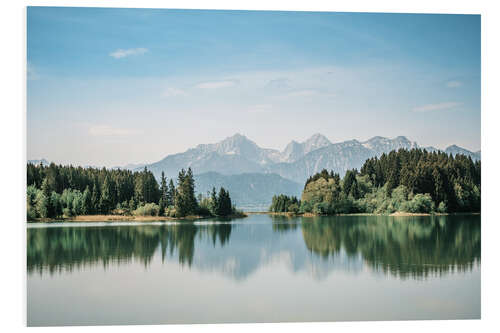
(131, 218)
(396, 214)
(192, 218)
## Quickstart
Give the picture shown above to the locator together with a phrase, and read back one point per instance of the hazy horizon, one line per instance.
(281, 149)
(109, 87)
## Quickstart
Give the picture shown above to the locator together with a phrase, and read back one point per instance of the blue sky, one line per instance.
(117, 86)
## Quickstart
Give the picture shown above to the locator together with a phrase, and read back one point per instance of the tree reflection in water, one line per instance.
(402, 246)
(67, 248)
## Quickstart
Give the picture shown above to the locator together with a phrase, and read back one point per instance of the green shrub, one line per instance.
(31, 213)
(421, 203)
(318, 208)
(442, 207)
(149, 209)
(345, 206)
(170, 211)
(204, 211)
(293, 208)
(67, 212)
(305, 207)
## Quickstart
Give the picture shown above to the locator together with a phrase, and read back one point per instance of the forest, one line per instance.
(56, 191)
(411, 181)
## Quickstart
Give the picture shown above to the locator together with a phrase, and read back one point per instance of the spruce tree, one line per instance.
(224, 205)
(163, 194)
(96, 197)
(213, 202)
(105, 200)
(192, 203)
(180, 195)
(170, 193)
(48, 202)
(87, 201)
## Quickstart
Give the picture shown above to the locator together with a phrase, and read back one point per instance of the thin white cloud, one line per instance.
(173, 92)
(216, 84)
(106, 130)
(453, 84)
(280, 83)
(436, 107)
(303, 93)
(260, 108)
(121, 53)
(307, 93)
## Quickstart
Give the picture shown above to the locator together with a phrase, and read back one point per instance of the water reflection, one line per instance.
(405, 247)
(66, 248)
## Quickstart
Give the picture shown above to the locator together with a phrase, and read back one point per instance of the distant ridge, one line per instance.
(249, 191)
(42, 161)
(299, 160)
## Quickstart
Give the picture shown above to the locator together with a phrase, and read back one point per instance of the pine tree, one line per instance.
(105, 200)
(213, 202)
(87, 201)
(224, 205)
(46, 187)
(349, 179)
(48, 202)
(96, 197)
(180, 195)
(163, 193)
(170, 193)
(190, 195)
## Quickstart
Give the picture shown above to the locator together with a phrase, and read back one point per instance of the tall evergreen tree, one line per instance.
(224, 205)
(170, 193)
(48, 202)
(105, 202)
(180, 195)
(96, 199)
(163, 193)
(213, 202)
(87, 201)
(190, 194)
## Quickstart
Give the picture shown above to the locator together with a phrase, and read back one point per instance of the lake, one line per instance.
(258, 269)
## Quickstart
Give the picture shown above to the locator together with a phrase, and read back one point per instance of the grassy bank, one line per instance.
(129, 218)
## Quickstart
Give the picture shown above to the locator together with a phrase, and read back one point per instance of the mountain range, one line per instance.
(299, 160)
(253, 174)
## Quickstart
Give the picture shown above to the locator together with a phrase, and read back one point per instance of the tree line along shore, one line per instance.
(58, 192)
(403, 182)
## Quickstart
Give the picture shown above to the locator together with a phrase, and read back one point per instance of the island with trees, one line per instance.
(405, 181)
(58, 192)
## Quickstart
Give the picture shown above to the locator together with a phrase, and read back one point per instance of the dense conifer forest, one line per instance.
(413, 181)
(64, 191)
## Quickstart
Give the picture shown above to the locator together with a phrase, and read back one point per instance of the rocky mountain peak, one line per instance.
(316, 141)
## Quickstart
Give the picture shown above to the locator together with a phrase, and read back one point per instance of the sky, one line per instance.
(110, 86)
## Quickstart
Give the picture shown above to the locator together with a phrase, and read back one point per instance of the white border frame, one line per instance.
(13, 132)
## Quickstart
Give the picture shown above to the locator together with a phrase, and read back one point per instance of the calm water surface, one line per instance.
(257, 269)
